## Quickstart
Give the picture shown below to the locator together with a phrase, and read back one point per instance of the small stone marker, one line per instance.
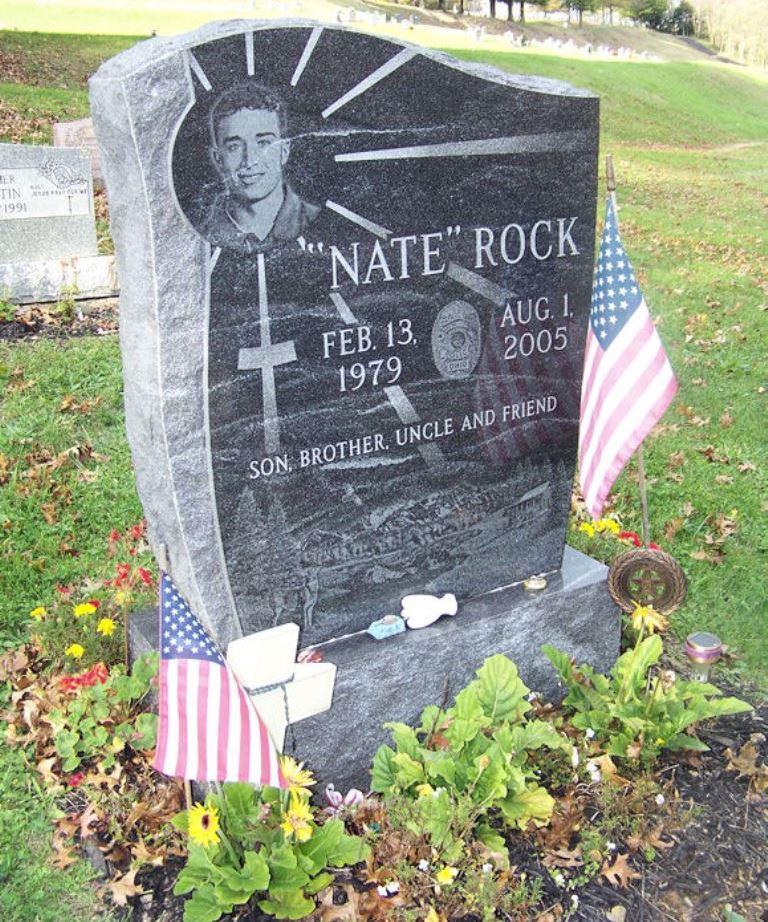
(47, 226)
(356, 278)
(80, 134)
(46, 203)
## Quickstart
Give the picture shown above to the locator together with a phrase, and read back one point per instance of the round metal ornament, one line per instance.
(644, 577)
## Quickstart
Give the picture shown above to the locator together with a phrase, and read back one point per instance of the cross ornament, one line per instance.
(283, 691)
(267, 357)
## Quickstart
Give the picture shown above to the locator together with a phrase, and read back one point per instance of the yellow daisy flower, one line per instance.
(607, 525)
(645, 617)
(298, 820)
(588, 528)
(203, 825)
(84, 609)
(296, 776)
(38, 613)
(75, 650)
(106, 627)
(446, 875)
(425, 790)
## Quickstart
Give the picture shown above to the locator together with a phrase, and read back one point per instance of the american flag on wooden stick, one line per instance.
(208, 728)
(628, 381)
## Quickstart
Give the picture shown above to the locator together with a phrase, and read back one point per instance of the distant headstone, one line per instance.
(356, 279)
(46, 203)
(47, 226)
(80, 134)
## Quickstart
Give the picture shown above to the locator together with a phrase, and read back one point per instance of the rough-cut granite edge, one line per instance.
(128, 62)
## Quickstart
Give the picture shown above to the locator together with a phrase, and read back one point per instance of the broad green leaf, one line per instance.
(284, 870)
(630, 668)
(431, 718)
(408, 770)
(462, 731)
(383, 772)
(404, 738)
(534, 734)
(683, 741)
(500, 690)
(534, 803)
(203, 906)
(494, 841)
(146, 729)
(287, 904)
(318, 883)
(561, 661)
(435, 813)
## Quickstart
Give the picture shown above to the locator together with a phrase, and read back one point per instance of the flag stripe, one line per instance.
(611, 427)
(663, 391)
(208, 728)
(618, 392)
(628, 382)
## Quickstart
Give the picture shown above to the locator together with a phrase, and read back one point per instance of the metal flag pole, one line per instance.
(610, 177)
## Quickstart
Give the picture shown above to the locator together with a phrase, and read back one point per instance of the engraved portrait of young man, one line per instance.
(256, 209)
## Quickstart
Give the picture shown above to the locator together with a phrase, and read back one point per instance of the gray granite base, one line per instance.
(394, 679)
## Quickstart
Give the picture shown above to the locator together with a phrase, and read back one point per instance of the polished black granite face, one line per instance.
(394, 362)
(366, 271)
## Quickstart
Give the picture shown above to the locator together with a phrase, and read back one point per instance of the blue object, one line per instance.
(387, 627)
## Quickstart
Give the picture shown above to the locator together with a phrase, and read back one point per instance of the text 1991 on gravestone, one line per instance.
(355, 285)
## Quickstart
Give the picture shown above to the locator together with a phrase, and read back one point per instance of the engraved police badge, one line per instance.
(456, 340)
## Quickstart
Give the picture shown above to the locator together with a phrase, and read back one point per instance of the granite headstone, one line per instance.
(355, 286)
(46, 203)
(80, 134)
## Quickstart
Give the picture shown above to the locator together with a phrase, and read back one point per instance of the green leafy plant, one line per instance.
(104, 716)
(467, 764)
(633, 713)
(265, 844)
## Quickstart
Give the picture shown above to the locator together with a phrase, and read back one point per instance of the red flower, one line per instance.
(145, 576)
(132, 551)
(76, 779)
(653, 547)
(629, 536)
(137, 531)
(69, 683)
(95, 602)
(114, 535)
(64, 590)
(123, 570)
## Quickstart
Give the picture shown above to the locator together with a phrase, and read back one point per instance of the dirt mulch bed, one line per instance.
(720, 858)
(95, 317)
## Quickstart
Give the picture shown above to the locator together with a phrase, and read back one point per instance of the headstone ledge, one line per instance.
(356, 278)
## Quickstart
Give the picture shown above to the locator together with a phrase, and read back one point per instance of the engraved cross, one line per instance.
(266, 357)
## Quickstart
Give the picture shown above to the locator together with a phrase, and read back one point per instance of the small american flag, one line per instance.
(628, 381)
(208, 728)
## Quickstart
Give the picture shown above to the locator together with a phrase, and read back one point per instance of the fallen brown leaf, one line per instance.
(124, 887)
(619, 874)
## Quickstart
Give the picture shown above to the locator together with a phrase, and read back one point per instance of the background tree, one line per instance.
(581, 7)
(650, 12)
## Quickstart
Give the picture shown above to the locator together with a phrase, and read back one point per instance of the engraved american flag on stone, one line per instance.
(628, 382)
(208, 728)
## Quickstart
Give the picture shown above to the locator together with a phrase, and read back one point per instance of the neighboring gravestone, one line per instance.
(355, 287)
(80, 134)
(47, 226)
(46, 203)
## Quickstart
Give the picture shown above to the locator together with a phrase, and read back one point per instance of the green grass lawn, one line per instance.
(690, 142)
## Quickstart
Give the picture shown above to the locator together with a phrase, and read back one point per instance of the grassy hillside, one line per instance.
(675, 105)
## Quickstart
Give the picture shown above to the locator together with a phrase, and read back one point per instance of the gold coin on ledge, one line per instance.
(534, 584)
